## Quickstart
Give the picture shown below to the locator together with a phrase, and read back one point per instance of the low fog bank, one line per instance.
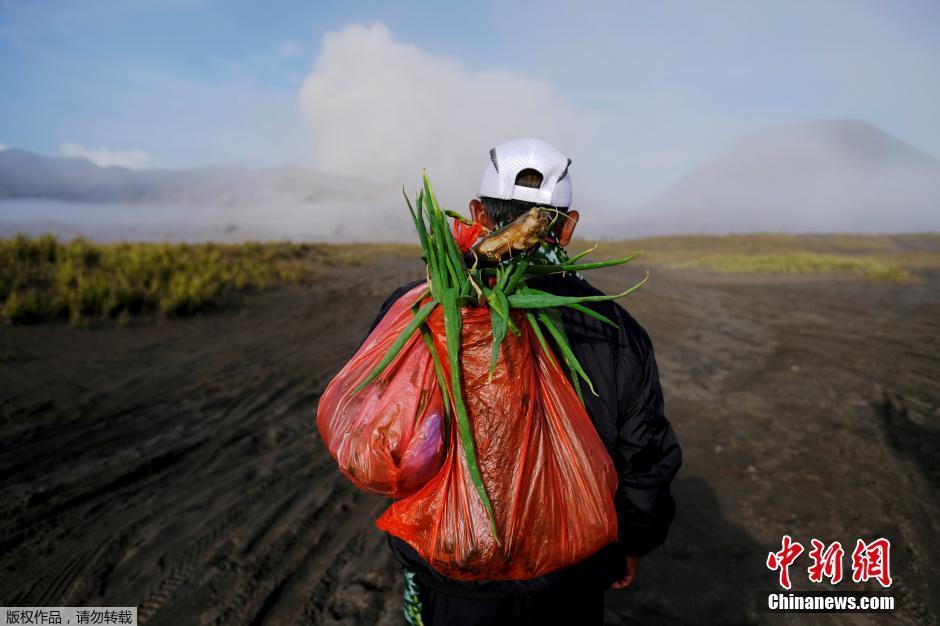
(73, 197)
(826, 176)
(321, 222)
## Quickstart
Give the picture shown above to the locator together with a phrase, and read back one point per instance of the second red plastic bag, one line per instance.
(389, 437)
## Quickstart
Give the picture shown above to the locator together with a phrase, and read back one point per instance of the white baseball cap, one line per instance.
(512, 157)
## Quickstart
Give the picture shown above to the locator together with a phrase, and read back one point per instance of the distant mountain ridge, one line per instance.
(75, 196)
(821, 176)
(25, 174)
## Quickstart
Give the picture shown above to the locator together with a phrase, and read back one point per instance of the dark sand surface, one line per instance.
(174, 465)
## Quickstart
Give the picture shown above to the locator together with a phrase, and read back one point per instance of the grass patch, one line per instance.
(898, 258)
(800, 263)
(44, 279)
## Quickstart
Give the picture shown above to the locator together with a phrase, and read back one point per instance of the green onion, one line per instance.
(499, 316)
(541, 270)
(457, 216)
(541, 301)
(557, 331)
(583, 254)
(581, 308)
(452, 327)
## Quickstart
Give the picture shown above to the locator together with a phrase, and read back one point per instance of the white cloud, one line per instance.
(106, 157)
(3, 147)
(381, 109)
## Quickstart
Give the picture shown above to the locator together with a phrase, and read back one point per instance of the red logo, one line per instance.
(827, 563)
(872, 560)
(869, 561)
(783, 559)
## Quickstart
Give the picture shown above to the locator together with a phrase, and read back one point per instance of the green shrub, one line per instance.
(44, 279)
(800, 263)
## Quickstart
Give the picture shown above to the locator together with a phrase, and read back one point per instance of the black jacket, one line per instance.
(628, 415)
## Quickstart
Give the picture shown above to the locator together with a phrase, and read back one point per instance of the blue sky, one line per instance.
(654, 86)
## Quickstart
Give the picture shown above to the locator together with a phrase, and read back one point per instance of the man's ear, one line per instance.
(479, 214)
(566, 229)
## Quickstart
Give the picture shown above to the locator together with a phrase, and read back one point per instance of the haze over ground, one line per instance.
(826, 176)
(641, 97)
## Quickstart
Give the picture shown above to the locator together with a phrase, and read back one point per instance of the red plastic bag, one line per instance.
(546, 472)
(545, 469)
(388, 438)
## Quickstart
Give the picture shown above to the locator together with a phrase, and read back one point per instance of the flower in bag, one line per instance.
(465, 235)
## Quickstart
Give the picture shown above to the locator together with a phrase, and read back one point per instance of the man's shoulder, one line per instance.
(564, 285)
(400, 291)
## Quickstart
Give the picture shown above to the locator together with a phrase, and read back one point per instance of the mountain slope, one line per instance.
(27, 175)
(75, 196)
(824, 176)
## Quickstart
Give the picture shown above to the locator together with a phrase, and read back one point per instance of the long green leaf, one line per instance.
(435, 271)
(434, 248)
(400, 342)
(541, 270)
(448, 274)
(457, 216)
(427, 253)
(517, 276)
(499, 316)
(504, 305)
(441, 235)
(419, 226)
(557, 331)
(573, 375)
(592, 313)
(582, 254)
(534, 325)
(499, 333)
(439, 373)
(452, 327)
(521, 300)
(578, 307)
(449, 245)
(502, 275)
